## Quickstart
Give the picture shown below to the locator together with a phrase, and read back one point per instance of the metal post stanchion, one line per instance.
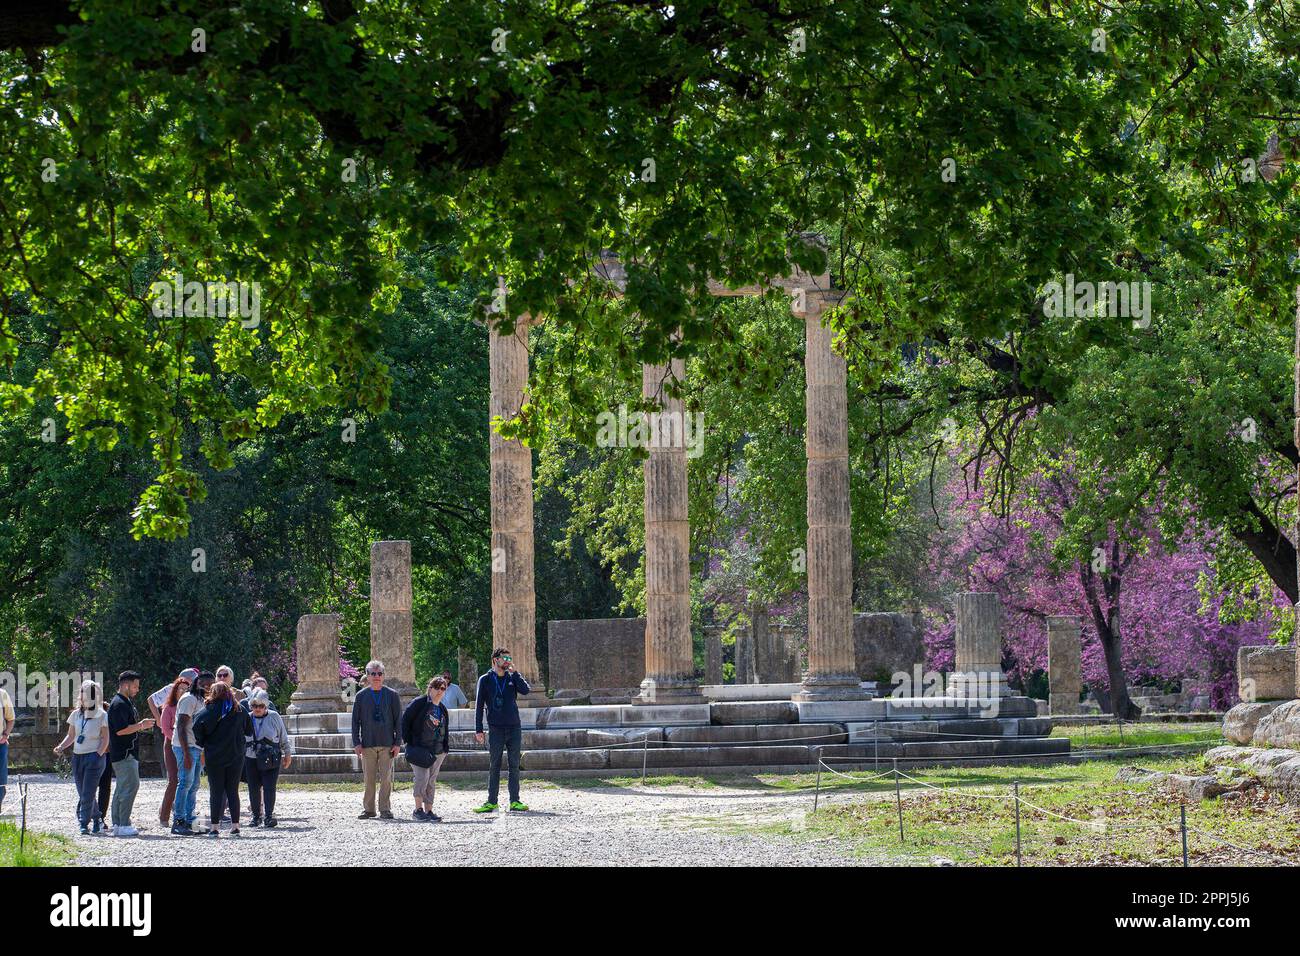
(818, 792)
(645, 754)
(1182, 814)
(1018, 858)
(898, 800)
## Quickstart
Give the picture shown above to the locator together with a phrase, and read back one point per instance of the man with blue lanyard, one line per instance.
(497, 690)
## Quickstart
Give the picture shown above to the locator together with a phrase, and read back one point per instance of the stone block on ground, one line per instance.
(1240, 722)
(1280, 727)
(1266, 672)
(753, 712)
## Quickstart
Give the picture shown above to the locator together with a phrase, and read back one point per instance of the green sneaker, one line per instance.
(517, 806)
(486, 808)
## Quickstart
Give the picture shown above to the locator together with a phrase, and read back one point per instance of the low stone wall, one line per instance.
(886, 643)
(601, 658)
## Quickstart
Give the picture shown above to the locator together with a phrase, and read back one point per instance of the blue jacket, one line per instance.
(507, 688)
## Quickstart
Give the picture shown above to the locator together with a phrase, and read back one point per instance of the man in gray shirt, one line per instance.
(377, 739)
(455, 697)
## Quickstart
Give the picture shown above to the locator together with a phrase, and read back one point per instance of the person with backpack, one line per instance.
(221, 728)
(270, 750)
(426, 728)
(497, 690)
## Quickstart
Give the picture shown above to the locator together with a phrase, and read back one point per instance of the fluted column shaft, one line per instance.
(977, 671)
(670, 660)
(831, 670)
(514, 603)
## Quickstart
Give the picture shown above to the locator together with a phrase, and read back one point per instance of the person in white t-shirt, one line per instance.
(88, 737)
(163, 707)
(188, 755)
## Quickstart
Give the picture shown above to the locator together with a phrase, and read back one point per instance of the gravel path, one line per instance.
(673, 826)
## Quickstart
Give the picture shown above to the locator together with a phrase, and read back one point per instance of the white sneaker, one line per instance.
(125, 831)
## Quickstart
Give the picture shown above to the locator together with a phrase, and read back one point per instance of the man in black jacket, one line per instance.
(377, 739)
(497, 692)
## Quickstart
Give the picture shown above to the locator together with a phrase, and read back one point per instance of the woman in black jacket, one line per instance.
(426, 728)
(221, 729)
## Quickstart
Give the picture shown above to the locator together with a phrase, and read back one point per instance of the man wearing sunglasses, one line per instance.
(497, 693)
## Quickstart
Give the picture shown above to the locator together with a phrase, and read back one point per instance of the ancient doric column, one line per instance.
(745, 673)
(513, 600)
(669, 658)
(317, 652)
(467, 674)
(831, 673)
(390, 614)
(1064, 664)
(713, 655)
(977, 672)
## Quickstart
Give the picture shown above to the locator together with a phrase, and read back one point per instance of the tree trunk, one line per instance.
(1112, 642)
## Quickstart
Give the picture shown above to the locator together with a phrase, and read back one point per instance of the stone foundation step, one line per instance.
(735, 735)
(712, 757)
(724, 713)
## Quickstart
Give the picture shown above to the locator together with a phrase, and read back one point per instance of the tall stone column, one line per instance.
(391, 639)
(831, 673)
(978, 669)
(317, 652)
(1064, 664)
(467, 674)
(669, 657)
(713, 655)
(745, 673)
(514, 603)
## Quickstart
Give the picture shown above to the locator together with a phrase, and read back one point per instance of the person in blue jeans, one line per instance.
(498, 690)
(88, 737)
(188, 754)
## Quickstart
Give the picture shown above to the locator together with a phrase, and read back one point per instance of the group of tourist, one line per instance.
(235, 735)
(209, 725)
(380, 726)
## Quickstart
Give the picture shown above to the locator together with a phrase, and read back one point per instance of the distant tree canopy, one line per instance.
(988, 145)
(285, 531)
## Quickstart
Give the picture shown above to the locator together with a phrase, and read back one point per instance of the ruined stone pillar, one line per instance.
(391, 639)
(514, 602)
(467, 674)
(831, 673)
(316, 650)
(713, 655)
(745, 658)
(977, 672)
(1064, 664)
(669, 656)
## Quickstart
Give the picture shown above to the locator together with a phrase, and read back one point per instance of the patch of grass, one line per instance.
(1070, 815)
(1139, 735)
(39, 849)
